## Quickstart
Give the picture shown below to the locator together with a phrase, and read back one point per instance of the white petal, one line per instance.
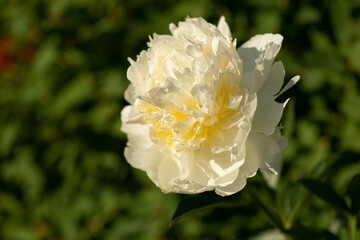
(250, 108)
(196, 174)
(130, 94)
(222, 167)
(140, 151)
(205, 96)
(262, 40)
(268, 115)
(273, 234)
(228, 178)
(194, 50)
(224, 28)
(215, 45)
(269, 112)
(274, 81)
(258, 54)
(236, 186)
(290, 84)
(169, 171)
(270, 178)
(265, 150)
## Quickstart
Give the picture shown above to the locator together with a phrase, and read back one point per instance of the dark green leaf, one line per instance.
(326, 192)
(340, 15)
(267, 204)
(354, 193)
(202, 202)
(301, 233)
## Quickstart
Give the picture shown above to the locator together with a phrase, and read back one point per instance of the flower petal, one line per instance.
(236, 186)
(259, 53)
(274, 81)
(224, 28)
(130, 94)
(140, 151)
(269, 112)
(290, 84)
(265, 150)
(169, 170)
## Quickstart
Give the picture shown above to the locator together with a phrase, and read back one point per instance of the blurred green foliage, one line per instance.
(62, 79)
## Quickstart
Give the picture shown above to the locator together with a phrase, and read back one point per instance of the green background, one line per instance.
(62, 79)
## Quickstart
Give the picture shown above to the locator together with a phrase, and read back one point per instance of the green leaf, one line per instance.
(353, 192)
(340, 17)
(291, 199)
(308, 15)
(202, 202)
(8, 136)
(267, 204)
(74, 93)
(302, 232)
(325, 191)
(45, 57)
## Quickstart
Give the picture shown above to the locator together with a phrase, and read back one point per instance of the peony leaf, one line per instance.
(266, 202)
(302, 232)
(326, 192)
(353, 192)
(340, 15)
(201, 202)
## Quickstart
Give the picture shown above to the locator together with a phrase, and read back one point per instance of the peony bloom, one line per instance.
(203, 115)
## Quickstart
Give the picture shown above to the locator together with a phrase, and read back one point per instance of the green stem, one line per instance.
(352, 226)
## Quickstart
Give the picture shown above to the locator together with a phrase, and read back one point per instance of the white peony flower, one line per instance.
(202, 113)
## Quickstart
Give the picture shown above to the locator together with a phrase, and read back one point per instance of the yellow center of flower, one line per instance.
(190, 127)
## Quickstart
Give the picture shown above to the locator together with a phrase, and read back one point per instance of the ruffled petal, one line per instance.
(259, 53)
(140, 151)
(265, 150)
(269, 112)
(224, 28)
(235, 187)
(130, 94)
(168, 171)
